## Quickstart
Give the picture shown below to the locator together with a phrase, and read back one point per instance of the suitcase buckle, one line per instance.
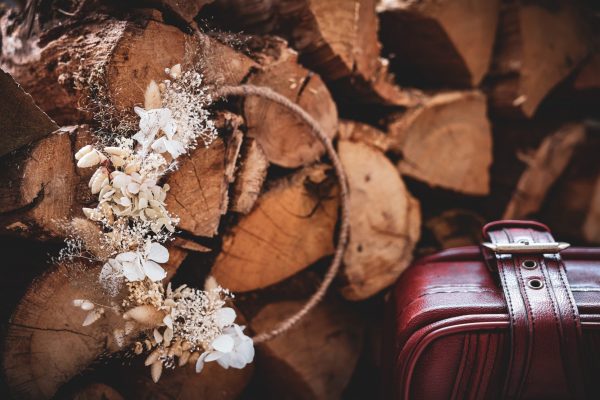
(524, 247)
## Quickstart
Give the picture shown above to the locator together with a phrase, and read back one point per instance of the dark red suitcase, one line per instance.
(518, 321)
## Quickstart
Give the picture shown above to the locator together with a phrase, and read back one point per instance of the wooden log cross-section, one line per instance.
(290, 227)
(446, 142)
(384, 221)
(440, 42)
(46, 345)
(314, 360)
(285, 139)
(530, 32)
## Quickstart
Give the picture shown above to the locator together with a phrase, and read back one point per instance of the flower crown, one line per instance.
(182, 325)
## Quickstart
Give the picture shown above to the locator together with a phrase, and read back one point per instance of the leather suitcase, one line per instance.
(517, 320)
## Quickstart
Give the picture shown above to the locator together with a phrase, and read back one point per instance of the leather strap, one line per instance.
(545, 360)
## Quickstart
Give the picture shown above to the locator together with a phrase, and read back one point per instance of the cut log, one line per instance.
(97, 65)
(183, 383)
(97, 391)
(250, 178)
(290, 228)
(456, 228)
(447, 142)
(198, 193)
(538, 46)
(363, 133)
(571, 203)
(46, 344)
(591, 224)
(316, 358)
(543, 169)
(21, 120)
(286, 140)
(439, 42)
(185, 10)
(41, 186)
(103, 66)
(337, 39)
(385, 221)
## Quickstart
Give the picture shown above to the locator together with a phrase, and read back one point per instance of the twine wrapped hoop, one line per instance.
(317, 131)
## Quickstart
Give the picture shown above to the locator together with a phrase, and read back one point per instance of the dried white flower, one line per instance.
(93, 316)
(135, 265)
(151, 122)
(89, 158)
(231, 349)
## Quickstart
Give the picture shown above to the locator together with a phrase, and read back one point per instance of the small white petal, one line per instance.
(133, 272)
(90, 159)
(223, 343)
(200, 362)
(158, 253)
(160, 145)
(128, 256)
(213, 355)
(225, 316)
(87, 305)
(168, 336)
(83, 151)
(92, 317)
(154, 271)
(175, 71)
(152, 96)
(78, 302)
(168, 321)
(157, 336)
(133, 188)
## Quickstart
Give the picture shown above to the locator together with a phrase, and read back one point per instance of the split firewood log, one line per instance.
(316, 358)
(285, 139)
(543, 169)
(385, 221)
(456, 228)
(336, 39)
(363, 133)
(183, 383)
(100, 64)
(447, 142)
(290, 227)
(538, 46)
(198, 190)
(42, 187)
(46, 344)
(184, 10)
(103, 65)
(250, 178)
(571, 205)
(591, 224)
(434, 42)
(97, 391)
(21, 120)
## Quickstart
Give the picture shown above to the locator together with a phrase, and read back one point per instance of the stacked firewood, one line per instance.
(445, 114)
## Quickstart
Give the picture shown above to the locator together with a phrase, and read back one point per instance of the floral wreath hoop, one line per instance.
(183, 325)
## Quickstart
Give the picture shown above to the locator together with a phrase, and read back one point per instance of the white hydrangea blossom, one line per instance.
(231, 349)
(136, 265)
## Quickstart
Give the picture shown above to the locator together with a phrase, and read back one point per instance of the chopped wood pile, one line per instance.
(445, 115)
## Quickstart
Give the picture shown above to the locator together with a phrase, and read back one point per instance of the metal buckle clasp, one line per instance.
(526, 248)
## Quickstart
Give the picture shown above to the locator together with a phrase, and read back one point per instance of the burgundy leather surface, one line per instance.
(453, 335)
